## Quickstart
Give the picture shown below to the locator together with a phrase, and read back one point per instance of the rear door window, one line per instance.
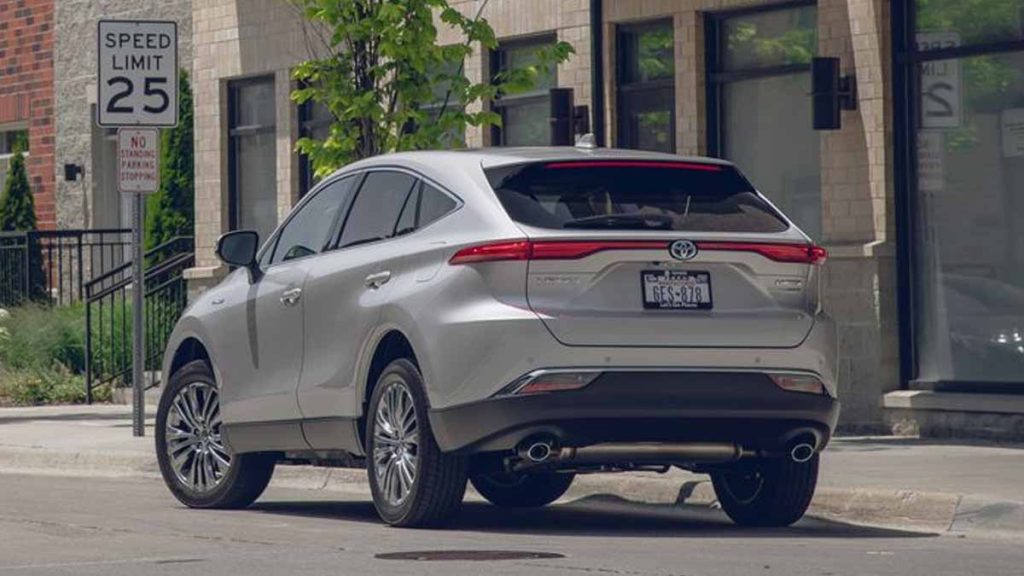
(638, 195)
(376, 208)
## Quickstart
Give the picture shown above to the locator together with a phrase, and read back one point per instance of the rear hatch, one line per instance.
(653, 253)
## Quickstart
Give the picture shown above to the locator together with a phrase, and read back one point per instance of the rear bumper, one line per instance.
(745, 407)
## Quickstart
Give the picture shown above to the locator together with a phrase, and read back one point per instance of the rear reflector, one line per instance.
(574, 250)
(542, 382)
(806, 384)
(796, 253)
(635, 164)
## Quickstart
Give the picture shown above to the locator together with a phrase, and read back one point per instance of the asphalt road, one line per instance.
(64, 525)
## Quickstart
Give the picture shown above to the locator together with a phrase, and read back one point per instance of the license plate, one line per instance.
(676, 289)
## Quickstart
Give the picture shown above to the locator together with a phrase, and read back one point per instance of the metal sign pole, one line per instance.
(138, 336)
(137, 92)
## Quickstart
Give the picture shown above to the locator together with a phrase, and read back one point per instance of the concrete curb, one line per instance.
(931, 512)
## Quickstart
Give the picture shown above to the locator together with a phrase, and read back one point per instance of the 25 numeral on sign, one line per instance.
(150, 89)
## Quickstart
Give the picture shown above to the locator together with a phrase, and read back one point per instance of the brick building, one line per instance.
(917, 197)
(26, 97)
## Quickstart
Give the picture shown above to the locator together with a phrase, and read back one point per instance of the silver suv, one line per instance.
(510, 318)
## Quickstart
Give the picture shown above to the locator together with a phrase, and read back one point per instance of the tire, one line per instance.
(432, 493)
(772, 492)
(215, 485)
(522, 490)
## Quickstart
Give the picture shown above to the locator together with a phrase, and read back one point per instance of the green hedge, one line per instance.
(42, 356)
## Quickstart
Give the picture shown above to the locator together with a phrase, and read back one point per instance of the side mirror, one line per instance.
(238, 248)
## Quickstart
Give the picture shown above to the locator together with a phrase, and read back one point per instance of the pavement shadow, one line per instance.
(594, 516)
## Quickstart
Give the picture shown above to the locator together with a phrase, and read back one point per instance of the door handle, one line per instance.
(291, 297)
(378, 279)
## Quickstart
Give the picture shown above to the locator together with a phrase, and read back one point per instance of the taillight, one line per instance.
(796, 253)
(576, 249)
(515, 250)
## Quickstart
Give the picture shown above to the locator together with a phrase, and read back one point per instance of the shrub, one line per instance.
(43, 338)
(35, 386)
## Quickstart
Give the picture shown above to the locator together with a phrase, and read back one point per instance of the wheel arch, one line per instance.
(392, 345)
(188, 350)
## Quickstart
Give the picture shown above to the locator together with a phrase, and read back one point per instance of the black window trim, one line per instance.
(623, 87)
(716, 77)
(232, 86)
(496, 58)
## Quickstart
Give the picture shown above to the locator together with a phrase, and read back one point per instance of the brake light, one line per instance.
(796, 253)
(635, 164)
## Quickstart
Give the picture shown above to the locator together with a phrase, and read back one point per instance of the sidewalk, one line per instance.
(893, 482)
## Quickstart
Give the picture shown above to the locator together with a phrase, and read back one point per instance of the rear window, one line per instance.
(633, 195)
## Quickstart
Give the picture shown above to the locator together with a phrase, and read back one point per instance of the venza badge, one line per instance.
(682, 250)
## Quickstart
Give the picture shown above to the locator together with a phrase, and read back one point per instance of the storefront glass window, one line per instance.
(969, 245)
(524, 116)
(770, 38)
(951, 23)
(759, 77)
(646, 87)
(253, 156)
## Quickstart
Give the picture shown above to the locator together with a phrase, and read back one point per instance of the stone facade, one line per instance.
(92, 201)
(26, 92)
(856, 161)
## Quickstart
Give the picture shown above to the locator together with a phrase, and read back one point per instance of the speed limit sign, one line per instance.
(138, 73)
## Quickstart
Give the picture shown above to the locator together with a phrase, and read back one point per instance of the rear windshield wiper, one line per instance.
(627, 221)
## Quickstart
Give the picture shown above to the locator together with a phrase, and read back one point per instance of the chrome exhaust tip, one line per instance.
(539, 452)
(801, 452)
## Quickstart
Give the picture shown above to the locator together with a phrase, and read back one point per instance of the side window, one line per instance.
(376, 208)
(407, 219)
(307, 231)
(425, 205)
(433, 205)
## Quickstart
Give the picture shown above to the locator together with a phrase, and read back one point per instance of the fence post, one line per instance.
(88, 350)
(81, 271)
(26, 294)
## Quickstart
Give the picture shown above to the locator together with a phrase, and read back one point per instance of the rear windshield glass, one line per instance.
(633, 195)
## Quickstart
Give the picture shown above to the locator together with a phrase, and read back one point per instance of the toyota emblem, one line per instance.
(682, 250)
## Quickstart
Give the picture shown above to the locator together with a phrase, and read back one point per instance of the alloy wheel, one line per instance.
(395, 443)
(194, 444)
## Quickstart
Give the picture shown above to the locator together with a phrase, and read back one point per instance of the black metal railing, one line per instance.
(51, 266)
(108, 314)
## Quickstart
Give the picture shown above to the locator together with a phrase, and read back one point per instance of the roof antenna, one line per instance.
(586, 141)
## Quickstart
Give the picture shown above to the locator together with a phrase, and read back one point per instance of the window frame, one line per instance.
(498, 61)
(419, 178)
(622, 134)
(716, 76)
(335, 223)
(234, 132)
(307, 125)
